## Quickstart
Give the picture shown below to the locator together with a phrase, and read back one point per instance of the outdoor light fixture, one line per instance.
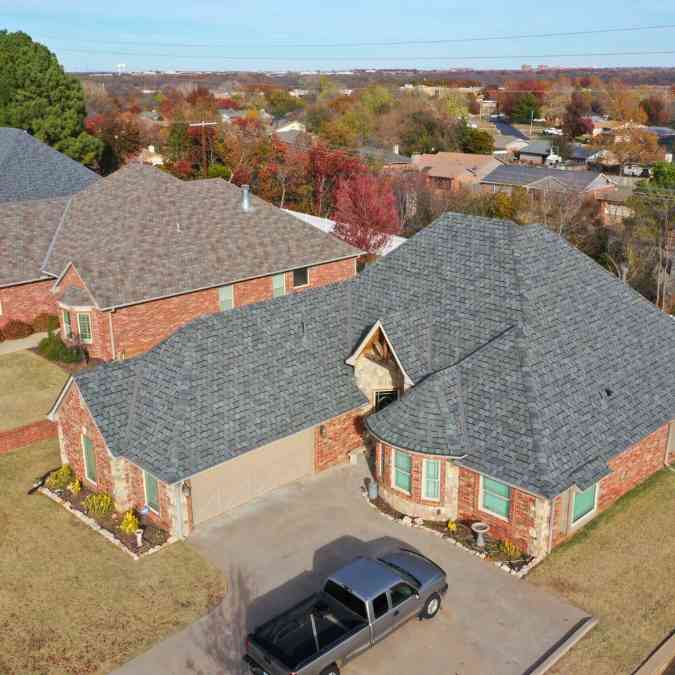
(322, 431)
(187, 490)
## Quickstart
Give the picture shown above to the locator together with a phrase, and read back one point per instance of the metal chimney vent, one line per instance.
(246, 198)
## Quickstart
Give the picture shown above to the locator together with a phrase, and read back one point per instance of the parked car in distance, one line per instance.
(552, 131)
(636, 170)
(359, 605)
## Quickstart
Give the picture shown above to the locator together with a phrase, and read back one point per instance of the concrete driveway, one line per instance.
(277, 549)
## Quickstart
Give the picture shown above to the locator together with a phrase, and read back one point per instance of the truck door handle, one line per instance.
(396, 612)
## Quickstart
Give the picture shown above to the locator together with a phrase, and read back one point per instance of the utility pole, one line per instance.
(205, 160)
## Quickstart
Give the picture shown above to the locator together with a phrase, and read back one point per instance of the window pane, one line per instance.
(496, 488)
(151, 491)
(400, 593)
(67, 325)
(384, 398)
(278, 285)
(380, 605)
(403, 461)
(300, 277)
(432, 475)
(226, 297)
(496, 505)
(84, 327)
(89, 459)
(584, 502)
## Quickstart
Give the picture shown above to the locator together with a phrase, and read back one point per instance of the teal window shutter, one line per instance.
(89, 459)
(68, 328)
(278, 285)
(584, 503)
(151, 491)
(226, 297)
(432, 479)
(403, 471)
(496, 497)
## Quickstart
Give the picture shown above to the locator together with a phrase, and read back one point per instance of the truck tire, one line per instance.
(331, 670)
(431, 606)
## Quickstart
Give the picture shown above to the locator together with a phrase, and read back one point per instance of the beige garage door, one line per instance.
(253, 474)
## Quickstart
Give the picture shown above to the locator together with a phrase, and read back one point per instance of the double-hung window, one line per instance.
(496, 498)
(226, 297)
(89, 459)
(584, 502)
(84, 327)
(151, 491)
(278, 285)
(431, 479)
(300, 277)
(67, 325)
(402, 471)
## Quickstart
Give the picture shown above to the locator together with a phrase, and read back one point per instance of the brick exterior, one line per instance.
(136, 487)
(340, 435)
(27, 434)
(24, 302)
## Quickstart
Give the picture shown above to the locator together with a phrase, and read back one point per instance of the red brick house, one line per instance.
(140, 253)
(504, 377)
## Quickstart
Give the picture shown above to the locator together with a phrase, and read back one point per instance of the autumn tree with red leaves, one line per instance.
(365, 212)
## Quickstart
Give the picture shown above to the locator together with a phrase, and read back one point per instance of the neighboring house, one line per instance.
(30, 169)
(539, 152)
(228, 116)
(302, 140)
(328, 226)
(285, 124)
(614, 209)
(507, 177)
(583, 154)
(391, 160)
(532, 412)
(451, 171)
(141, 253)
(507, 146)
(150, 156)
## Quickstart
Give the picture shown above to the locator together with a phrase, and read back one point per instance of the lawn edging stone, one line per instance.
(407, 521)
(101, 530)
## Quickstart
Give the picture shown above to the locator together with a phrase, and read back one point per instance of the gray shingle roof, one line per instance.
(542, 148)
(77, 297)
(512, 337)
(517, 175)
(26, 229)
(30, 169)
(141, 233)
(383, 155)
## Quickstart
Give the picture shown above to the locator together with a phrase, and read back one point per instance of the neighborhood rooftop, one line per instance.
(523, 176)
(532, 364)
(30, 169)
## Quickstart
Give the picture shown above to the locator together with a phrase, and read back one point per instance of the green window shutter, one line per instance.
(584, 503)
(84, 327)
(278, 285)
(496, 497)
(66, 324)
(432, 479)
(89, 459)
(226, 297)
(403, 470)
(151, 491)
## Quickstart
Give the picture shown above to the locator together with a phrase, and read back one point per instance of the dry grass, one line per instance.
(621, 569)
(73, 603)
(29, 385)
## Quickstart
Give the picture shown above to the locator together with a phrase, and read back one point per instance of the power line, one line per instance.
(394, 43)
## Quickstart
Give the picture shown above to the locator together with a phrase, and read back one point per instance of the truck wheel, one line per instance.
(331, 670)
(431, 606)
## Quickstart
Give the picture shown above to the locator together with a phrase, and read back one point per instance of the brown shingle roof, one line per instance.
(455, 164)
(141, 233)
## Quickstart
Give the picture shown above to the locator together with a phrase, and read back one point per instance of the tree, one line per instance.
(476, 141)
(38, 96)
(120, 135)
(623, 104)
(633, 145)
(365, 212)
(664, 176)
(457, 105)
(576, 120)
(526, 108)
(656, 110)
(279, 102)
(178, 141)
(424, 132)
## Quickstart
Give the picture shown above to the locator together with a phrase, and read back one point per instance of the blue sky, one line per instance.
(267, 35)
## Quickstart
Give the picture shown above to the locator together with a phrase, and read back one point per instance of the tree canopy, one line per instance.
(38, 96)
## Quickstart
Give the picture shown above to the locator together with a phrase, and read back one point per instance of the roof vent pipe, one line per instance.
(245, 198)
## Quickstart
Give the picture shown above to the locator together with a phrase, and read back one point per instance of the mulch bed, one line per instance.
(464, 535)
(71, 368)
(152, 535)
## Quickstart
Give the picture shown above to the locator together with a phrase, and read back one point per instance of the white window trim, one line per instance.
(67, 324)
(0, 307)
(283, 283)
(91, 328)
(308, 277)
(586, 516)
(382, 391)
(393, 473)
(485, 509)
(425, 463)
(145, 491)
(84, 459)
(220, 307)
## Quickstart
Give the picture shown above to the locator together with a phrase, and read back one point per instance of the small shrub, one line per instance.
(45, 322)
(61, 478)
(53, 348)
(98, 504)
(2, 336)
(14, 330)
(130, 522)
(452, 526)
(509, 549)
(75, 486)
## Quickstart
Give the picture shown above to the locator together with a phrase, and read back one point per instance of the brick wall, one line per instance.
(340, 435)
(25, 301)
(136, 492)
(321, 275)
(521, 517)
(25, 435)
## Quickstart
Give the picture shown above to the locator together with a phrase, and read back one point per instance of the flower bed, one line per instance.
(79, 502)
(503, 554)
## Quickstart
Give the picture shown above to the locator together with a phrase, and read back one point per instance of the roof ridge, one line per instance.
(50, 248)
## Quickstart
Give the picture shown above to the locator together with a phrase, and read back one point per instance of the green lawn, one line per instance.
(29, 385)
(71, 601)
(621, 569)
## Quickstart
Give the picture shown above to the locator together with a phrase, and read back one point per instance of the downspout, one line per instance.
(112, 333)
(666, 463)
(549, 547)
(178, 488)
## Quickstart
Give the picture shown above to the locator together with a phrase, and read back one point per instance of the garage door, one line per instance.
(251, 475)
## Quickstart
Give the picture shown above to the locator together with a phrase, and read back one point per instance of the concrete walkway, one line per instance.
(11, 346)
(277, 549)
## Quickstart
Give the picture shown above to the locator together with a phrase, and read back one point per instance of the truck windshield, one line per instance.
(346, 598)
